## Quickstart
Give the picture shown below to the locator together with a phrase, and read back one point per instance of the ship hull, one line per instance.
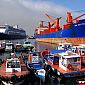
(4, 36)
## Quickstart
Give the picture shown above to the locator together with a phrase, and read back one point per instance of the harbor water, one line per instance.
(49, 79)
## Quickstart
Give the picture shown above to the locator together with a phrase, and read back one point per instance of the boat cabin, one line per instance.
(9, 46)
(63, 46)
(81, 51)
(69, 61)
(18, 45)
(28, 45)
(33, 58)
(13, 65)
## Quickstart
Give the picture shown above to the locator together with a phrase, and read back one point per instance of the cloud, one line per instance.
(43, 6)
(46, 6)
(7, 0)
(40, 7)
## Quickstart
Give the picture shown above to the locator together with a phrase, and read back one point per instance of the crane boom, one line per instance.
(78, 17)
(53, 21)
(50, 18)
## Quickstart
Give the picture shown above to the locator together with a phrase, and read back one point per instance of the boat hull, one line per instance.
(11, 36)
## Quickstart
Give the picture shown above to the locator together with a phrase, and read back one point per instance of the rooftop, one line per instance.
(69, 54)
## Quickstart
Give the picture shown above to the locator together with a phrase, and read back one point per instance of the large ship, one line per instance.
(8, 32)
(71, 32)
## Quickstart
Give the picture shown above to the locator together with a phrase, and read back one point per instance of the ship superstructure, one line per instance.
(8, 32)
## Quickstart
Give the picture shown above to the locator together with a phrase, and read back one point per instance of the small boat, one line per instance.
(2, 49)
(19, 47)
(80, 49)
(66, 64)
(31, 37)
(28, 46)
(13, 72)
(63, 46)
(9, 46)
(36, 61)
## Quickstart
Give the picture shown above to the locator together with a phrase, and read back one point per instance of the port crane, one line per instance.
(70, 19)
(54, 22)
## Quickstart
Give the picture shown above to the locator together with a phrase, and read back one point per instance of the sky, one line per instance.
(28, 13)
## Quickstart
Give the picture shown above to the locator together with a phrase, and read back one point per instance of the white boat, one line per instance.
(63, 46)
(27, 45)
(19, 47)
(9, 46)
(13, 65)
(12, 72)
(69, 61)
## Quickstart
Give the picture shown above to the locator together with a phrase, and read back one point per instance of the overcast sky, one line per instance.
(28, 13)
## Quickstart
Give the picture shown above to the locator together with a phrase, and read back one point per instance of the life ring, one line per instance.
(69, 66)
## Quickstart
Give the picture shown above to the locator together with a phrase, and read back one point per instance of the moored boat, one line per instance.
(9, 46)
(31, 37)
(28, 46)
(19, 47)
(35, 60)
(13, 72)
(8, 32)
(66, 64)
(63, 46)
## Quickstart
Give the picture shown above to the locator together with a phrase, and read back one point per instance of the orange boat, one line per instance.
(13, 71)
(67, 64)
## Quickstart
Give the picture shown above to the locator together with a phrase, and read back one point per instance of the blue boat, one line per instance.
(35, 62)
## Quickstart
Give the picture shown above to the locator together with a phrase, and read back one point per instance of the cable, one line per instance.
(79, 10)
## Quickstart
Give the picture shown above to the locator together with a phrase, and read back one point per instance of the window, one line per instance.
(83, 51)
(75, 59)
(27, 42)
